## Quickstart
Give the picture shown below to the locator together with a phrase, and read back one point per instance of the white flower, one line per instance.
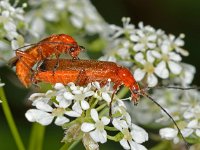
(168, 133)
(176, 44)
(119, 124)
(171, 58)
(44, 114)
(120, 107)
(79, 94)
(144, 38)
(127, 28)
(96, 130)
(81, 13)
(132, 140)
(187, 75)
(103, 92)
(11, 21)
(194, 127)
(44, 97)
(148, 69)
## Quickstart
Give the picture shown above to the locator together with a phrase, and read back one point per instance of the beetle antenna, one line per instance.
(142, 93)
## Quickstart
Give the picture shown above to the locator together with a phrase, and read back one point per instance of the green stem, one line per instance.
(116, 138)
(101, 107)
(66, 146)
(37, 136)
(74, 144)
(10, 121)
(70, 145)
(122, 92)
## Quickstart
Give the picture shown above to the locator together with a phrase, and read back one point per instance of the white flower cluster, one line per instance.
(184, 107)
(155, 54)
(83, 111)
(186, 113)
(80, 13)
(12, 27)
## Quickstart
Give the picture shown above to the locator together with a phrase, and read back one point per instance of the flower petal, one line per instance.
(89, 93)
(64, 103)
(68, 96)
(193, 124)
(105, 120)
(77, 107)
(151, 45)
(165, 48)
(161, 70)
(198, 132)
(59, 86)
(119, 124)
(85, 105)
(138, 47)
(175, 68)
(139, 74)
(87, 127)
(168, 133)
(43, 106)
(94, 115)
(35, 115)
(106, 97)
(174, 56)
(150, 58)
(73, 113)
(134, 38)
(152, 37)
(139, 134)
(152, 80)
(188, 115)
(61, 120)
(136, 146)
(187, 132)
(99, 136)
(124, 144)
(139, 57)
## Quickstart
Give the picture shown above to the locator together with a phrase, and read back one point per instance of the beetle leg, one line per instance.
(82, 78)
(20, 54)
(110, 109)
(57, 63)
(115, 87)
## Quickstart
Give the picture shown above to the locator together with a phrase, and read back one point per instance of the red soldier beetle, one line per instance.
(83, 72)
(52, 45)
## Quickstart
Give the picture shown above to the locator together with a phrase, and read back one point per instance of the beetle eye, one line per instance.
(135, 91)
(72, 49)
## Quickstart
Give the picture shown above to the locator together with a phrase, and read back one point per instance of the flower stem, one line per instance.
(36, 138)
(10, 121)
(70, 145)
(122, 92)
(66, 146)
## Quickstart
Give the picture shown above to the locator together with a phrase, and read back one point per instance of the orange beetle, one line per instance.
(82, 72)
(52, 45)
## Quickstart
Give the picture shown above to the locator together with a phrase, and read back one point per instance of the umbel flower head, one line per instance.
(151, 54)
(13, 25)
(83, 112)
(81, 14)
